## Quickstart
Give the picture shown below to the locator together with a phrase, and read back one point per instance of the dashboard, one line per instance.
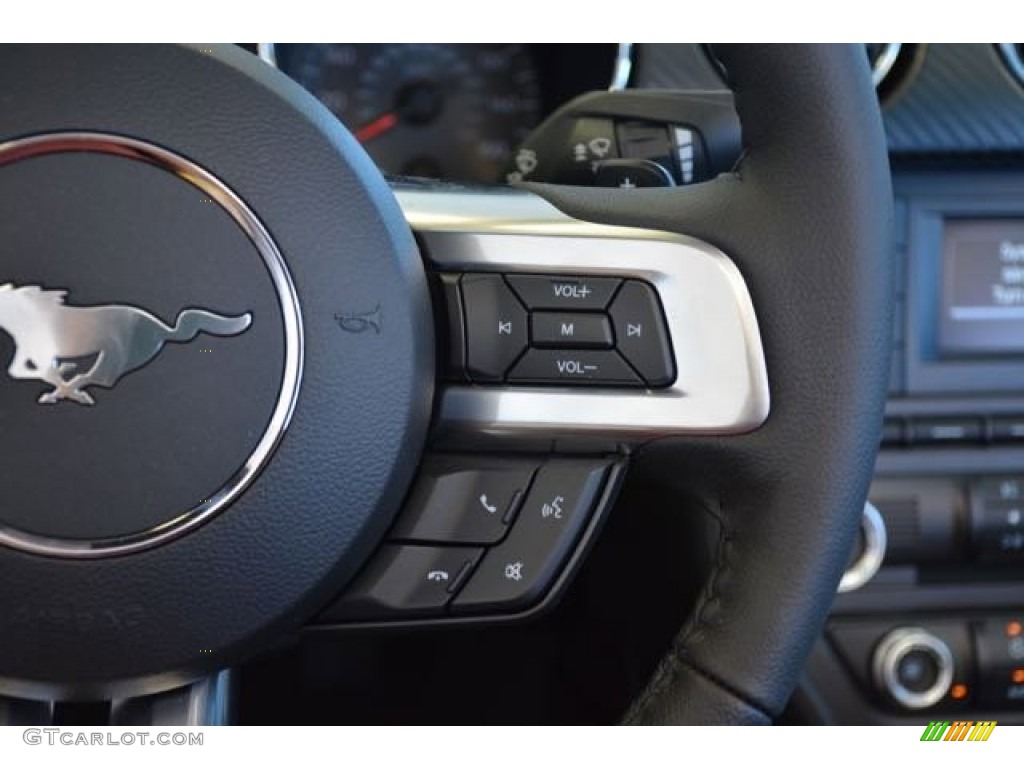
(458, 112)
(928, 621)
(447, 111)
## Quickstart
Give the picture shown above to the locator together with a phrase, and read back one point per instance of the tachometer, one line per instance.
(446, 111)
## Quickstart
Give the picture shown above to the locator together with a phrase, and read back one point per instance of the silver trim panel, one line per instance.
(870, 560)
(893, 648)
(722, 382)
(242, 215)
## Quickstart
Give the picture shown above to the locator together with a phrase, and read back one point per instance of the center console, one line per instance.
(928, 622)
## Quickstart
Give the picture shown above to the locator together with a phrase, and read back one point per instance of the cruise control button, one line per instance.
(496, 332)
(547, 366)
(518, 571)
(570, 329)
(561, 292)
(462, 500)
(405, 581)
(641, 334)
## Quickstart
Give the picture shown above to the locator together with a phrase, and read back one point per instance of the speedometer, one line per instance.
(446, 111)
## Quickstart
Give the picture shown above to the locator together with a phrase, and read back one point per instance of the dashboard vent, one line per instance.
(1012, 55)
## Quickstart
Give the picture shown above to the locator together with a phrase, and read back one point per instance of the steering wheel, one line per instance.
(224, 394)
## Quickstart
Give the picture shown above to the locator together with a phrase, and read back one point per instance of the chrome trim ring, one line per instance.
(882, 66)
(870, 560)
(232, 204)
(894, 648)
(722, 382)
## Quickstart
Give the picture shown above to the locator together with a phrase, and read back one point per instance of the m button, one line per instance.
(574, 330)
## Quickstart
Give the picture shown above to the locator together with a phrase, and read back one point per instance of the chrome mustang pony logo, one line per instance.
(72, 348)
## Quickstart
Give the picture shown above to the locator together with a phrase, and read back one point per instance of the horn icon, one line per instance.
(360, 322)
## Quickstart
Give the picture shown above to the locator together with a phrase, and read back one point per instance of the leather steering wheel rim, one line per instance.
(806, 216)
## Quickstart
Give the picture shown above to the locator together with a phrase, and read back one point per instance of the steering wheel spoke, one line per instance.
(570, 344)
(683, 355)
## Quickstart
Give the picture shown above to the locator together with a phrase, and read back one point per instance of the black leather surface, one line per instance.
(673, 65)
(806, 216)
(706, 701)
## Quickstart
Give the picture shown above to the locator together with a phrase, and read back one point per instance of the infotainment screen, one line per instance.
(982, 307)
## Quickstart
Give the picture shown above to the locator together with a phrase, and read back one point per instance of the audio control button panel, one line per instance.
(574, 330)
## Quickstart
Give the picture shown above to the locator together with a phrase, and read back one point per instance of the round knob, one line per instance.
(913, 667)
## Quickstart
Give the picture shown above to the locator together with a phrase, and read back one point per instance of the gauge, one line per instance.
(445, 111)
